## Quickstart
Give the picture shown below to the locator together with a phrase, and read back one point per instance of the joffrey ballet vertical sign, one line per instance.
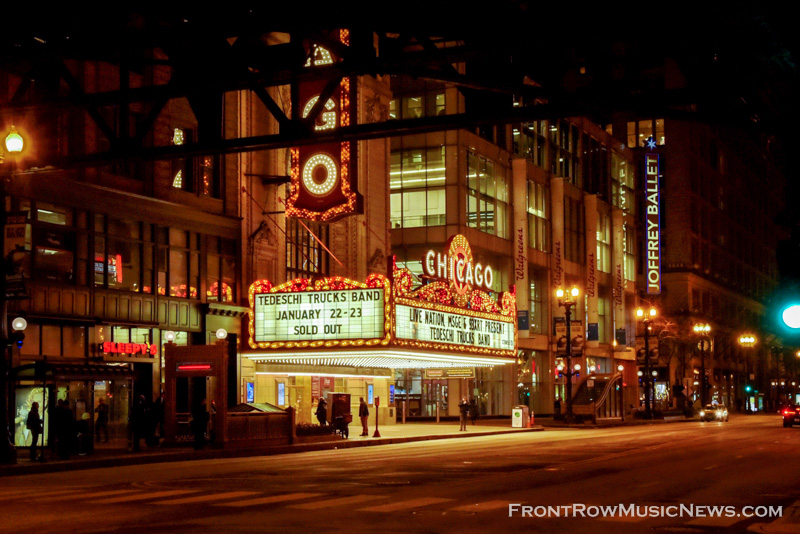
(653, 218)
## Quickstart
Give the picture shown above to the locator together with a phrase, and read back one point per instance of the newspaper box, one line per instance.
(520, 417)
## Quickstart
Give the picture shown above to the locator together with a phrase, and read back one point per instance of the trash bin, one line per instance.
(520, 417)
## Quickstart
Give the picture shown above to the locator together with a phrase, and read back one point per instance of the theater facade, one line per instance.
(313, 336)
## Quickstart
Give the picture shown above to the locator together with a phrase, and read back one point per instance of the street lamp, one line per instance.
(703, 329)
(11, 148)
(747, 341)
(568, 300)
(646, 318)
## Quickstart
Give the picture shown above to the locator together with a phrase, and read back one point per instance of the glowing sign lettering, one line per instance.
(653, 219)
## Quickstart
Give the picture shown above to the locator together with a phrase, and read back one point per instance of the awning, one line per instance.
(73, 371)
(382, 359)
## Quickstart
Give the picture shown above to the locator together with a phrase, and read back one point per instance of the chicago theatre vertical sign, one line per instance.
(323, 181)
(653, 220)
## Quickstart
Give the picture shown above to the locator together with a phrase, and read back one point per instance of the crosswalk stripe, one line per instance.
(35, 495)
(101, 494)
(336, 502)
(144, 496)
(270, 500)
(715, 521)
(404, 505)
(206, 498)
(481, 506)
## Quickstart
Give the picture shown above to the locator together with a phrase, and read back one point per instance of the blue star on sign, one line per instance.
(651, 143)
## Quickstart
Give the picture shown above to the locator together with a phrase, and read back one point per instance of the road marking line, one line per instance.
(270, 500)
(481, 506)
(715, 521)
(336, 502)
(144, 496)
(403, 505)
(206, 498)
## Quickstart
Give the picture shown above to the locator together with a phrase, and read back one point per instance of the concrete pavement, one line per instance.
(389, 434)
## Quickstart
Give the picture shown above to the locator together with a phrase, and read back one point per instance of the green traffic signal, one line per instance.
(791, 316)
(748, 388)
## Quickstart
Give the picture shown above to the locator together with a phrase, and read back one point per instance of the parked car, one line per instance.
(791, 415)
(714, 412)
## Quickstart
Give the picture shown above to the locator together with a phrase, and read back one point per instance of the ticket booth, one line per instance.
(194, 374)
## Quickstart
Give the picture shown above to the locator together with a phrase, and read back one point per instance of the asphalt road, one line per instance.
(454, 485)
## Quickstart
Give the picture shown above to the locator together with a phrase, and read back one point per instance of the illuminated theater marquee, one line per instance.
(438, 326)
(332, 311)
(349, 314)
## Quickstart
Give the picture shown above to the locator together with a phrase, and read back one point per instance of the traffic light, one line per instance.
(16, 339)
(748, 388)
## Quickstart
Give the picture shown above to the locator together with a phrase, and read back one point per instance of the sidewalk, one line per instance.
(389, 434)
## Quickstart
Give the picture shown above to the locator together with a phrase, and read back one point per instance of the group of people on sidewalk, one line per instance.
(147, 422)
(70, 435)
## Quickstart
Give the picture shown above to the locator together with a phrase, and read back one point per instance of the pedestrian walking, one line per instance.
(473, 411)
(322, 412)
(101, 425)
(34, 424)
(363, 413)
(199, 424)
(84, 435)
(158, 416)
(138, 419)
(65, 429)
(463, 407)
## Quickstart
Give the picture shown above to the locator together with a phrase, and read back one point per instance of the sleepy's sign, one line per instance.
(111, 347)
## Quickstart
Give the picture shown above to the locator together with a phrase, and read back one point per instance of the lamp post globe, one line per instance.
(14, 142)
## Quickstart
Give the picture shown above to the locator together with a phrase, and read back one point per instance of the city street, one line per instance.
(451, 485)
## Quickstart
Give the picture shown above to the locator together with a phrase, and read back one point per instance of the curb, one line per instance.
(638, 422)
(213, 454)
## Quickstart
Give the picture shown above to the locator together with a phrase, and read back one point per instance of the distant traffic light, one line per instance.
(748, 388)
(16, 339)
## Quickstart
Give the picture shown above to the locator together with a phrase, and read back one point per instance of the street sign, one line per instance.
(15, 288)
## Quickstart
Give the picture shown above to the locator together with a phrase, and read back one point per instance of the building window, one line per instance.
(181, 167)
(487, 196)
(428, 102)
(640, 131)
(594, 167)
(416, 182)
(221, 269)
(538, 220)
(184, 276)
(187, 171)
(603, 316)
(529, 141)
(305, 257)
(603, 243)
(118, 254)
(563, 143)
(628, 243)
(574, 249)
(622, 185)
(538, 314)
(59, 249)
